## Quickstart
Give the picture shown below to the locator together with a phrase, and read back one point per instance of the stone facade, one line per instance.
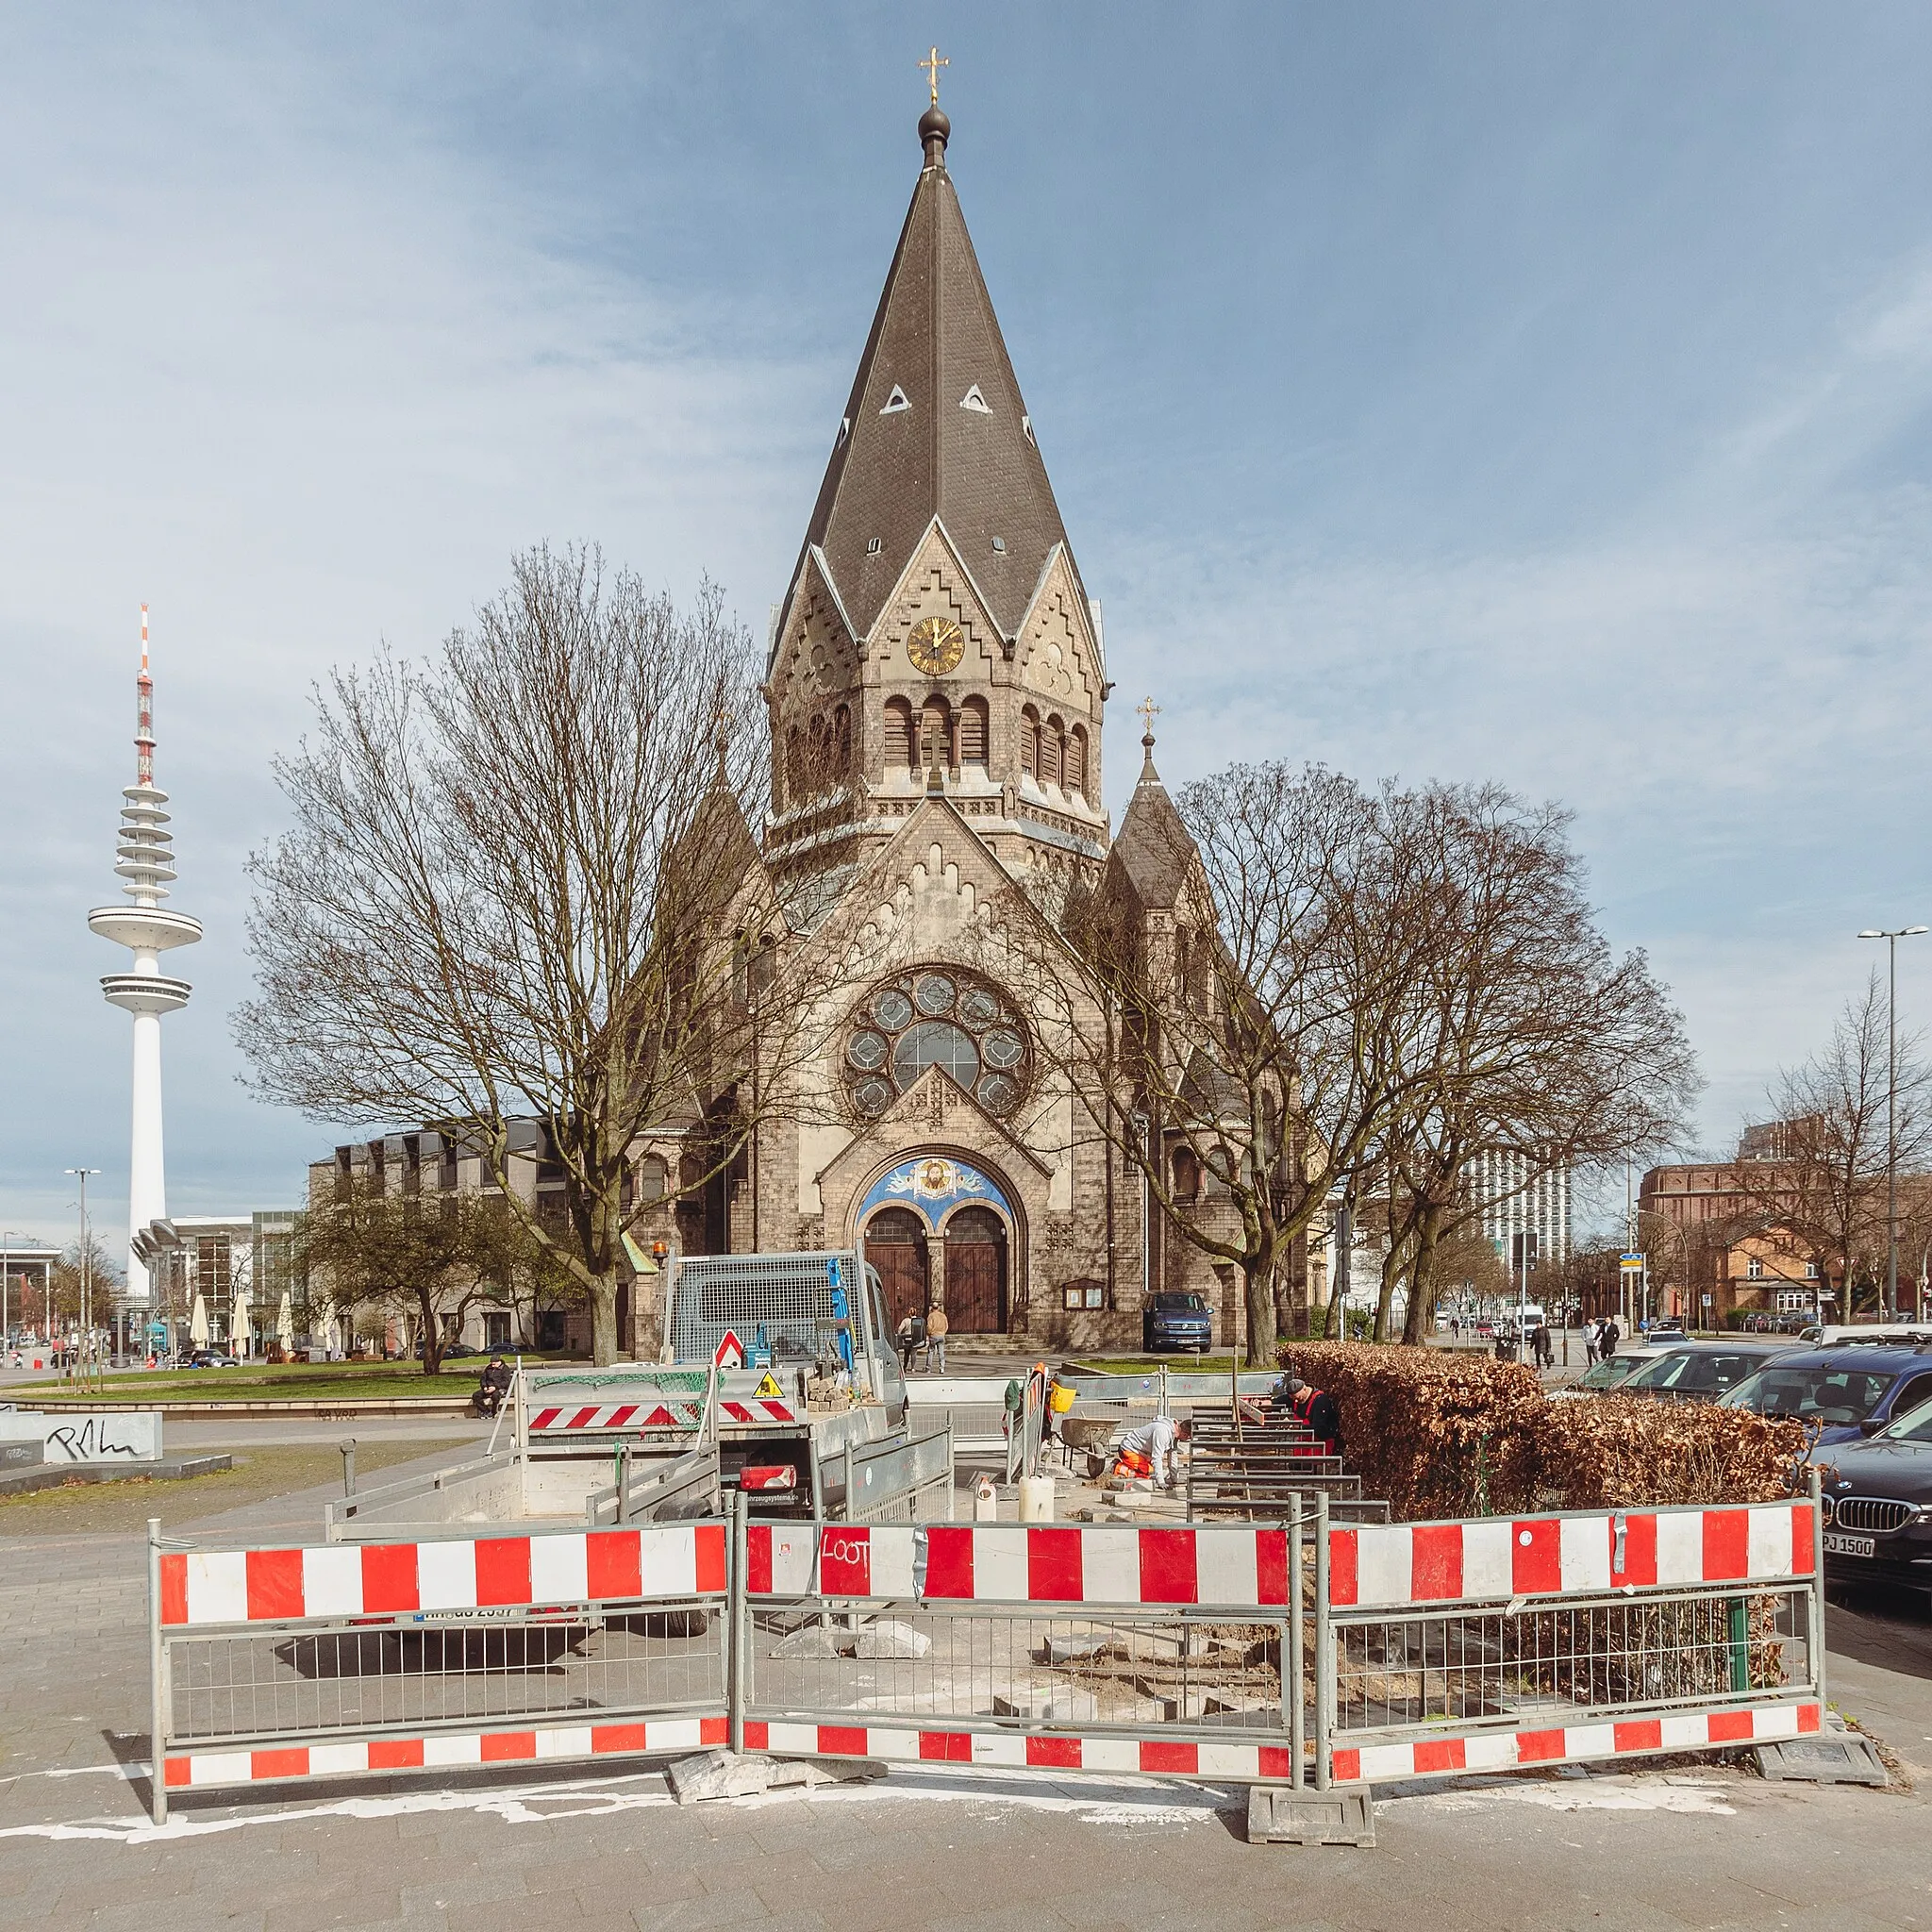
(936, 687)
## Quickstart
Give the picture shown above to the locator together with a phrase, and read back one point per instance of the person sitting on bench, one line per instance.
(492, 1386)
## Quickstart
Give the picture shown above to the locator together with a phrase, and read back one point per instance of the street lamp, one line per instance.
(1891, 938)
(85, 1271)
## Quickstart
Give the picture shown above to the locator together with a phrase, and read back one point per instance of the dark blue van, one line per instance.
(1846, 1392)
(1173, 1320)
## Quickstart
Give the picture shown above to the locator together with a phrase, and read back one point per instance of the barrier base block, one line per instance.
(1280, 1815)
(1836, 1758)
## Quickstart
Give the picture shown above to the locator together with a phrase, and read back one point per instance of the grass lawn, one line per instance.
(277, 1382)
(272, 1468)
(1177, 1364)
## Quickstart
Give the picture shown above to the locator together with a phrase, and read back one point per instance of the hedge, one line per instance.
(1443, 1435)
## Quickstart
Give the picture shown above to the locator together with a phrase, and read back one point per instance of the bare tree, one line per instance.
(1822, 1191)
(514, 888)
(1531, 1038)
(1243, 1050)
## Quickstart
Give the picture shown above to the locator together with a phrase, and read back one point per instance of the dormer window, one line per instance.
(895, 402)
(975, 402)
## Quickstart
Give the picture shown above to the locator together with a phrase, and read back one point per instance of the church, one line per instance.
(937, 687)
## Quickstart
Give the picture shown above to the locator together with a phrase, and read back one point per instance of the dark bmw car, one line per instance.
(1845, 1393)
(1175, 1322)
(1878, 1505)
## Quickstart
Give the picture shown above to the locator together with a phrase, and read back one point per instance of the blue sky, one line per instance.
(1488, 392)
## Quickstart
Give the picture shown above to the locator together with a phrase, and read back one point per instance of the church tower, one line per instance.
(935, 637)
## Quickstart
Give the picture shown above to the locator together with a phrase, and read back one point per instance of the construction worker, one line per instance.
(1313, 1409)
(1148, 1451)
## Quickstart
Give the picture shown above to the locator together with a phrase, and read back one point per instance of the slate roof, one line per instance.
(1153, 847)
(935, 348)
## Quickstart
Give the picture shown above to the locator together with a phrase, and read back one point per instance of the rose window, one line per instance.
(936, 1019)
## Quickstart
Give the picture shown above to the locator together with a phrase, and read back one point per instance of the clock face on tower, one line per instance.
(936, 647)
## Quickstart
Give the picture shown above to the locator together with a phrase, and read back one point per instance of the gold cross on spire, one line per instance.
(930, 67)
(1149, 710)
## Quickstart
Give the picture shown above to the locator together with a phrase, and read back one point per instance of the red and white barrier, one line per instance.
(618, 1415)
(330, 1580)
(1398, 1565)
(1484, 1751)
(1172, 1757)
(1118, 1564)
(595, 1416)
(189, 1769)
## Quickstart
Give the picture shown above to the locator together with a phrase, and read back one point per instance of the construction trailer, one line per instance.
(779, 1379)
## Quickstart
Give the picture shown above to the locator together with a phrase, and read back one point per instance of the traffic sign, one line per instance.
(730, 1353)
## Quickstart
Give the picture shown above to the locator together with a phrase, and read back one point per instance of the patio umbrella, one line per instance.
(244, 1329)
(285, 1324)
(197, 1321)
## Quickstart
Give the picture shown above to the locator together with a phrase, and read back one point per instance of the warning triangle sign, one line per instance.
(730, 1353)
(768, 1390)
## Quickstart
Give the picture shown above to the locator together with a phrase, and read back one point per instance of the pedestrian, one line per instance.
(908, 1336)
(936, 1329)
(1544, 1348)
(1591, 1331)
(1608, 1340)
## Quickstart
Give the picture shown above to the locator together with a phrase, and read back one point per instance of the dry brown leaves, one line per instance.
(1445, 1436)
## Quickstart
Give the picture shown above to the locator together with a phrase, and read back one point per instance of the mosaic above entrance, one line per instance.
(932, 1185)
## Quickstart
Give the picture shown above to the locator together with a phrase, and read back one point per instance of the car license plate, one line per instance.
(1849, 1545)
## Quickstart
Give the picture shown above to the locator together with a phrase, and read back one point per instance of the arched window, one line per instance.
(973, 726)
(936, 733)
(899, 743)
(1030, 741)
(1186, 1174)
(795, 765)
(1077, 760)
(1052, 742)
(842, 741)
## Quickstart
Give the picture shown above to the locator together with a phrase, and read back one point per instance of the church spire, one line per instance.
(935, 425)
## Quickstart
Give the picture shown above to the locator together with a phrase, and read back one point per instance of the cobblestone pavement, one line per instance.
(929, 1848)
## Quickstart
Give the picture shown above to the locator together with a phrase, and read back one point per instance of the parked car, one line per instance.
(1845, 1392)
(1664, 1324)
(1601, 1377)
(210, 1359)
(1878, 1505)
(1176, 1320)
(1700, 1370)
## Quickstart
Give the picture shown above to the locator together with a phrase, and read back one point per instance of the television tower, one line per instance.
(146, 865)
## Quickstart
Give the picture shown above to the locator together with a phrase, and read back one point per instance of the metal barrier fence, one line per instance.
(877, 1482)
(1308, 1652)
(1483, 1646)
(1104, 1648)
(336, 1659)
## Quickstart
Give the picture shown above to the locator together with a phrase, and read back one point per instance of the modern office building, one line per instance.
(1516, 1197)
